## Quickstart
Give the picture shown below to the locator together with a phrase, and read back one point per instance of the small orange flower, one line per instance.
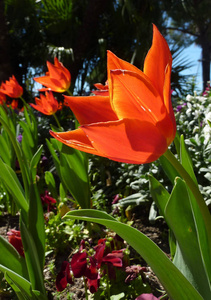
(135, 123)
(13, 104)
(11, 88)
(57, 78)
(102, 90)
(47, 104)
(2, 97)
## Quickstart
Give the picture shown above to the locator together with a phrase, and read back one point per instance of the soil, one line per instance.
(157, 232)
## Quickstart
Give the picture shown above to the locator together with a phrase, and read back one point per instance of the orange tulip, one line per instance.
(13, 104)
(135, 123)
(102, 90)
(2, 97)
(57, 78)
(47, 104)
(11, 88)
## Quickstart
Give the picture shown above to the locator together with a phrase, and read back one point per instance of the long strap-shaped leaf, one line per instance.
(176, 285)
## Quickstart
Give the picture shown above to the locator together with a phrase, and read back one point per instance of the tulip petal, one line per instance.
(76, 139)
(91, 109)
(114, 62)
(134, 97)
(167, 98)
(141, 142)
(156, 61)
(129, 141)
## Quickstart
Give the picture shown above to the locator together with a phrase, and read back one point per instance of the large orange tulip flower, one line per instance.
(57, 78)
(11, 88)
(135, 123)
(47, 104)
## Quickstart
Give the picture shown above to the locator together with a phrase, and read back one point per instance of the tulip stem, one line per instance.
(57, 122)
(86, 293)
(69, 92)
(24, 102)
(192, 186)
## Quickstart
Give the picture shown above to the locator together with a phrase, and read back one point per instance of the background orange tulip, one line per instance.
(47, 104)
(11, 88)
(135, 123)
(57, 78)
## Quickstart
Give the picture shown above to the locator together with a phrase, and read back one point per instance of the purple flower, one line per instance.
(19, 138)
(179, 107)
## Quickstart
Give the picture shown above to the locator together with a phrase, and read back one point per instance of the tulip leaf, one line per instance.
(50, 181)
(19, 154)
(32, 259)
(20, 285)
(180, 219)
(72, 168)
(9, 177)
(77, 182)
(201, 213)
(159, 194)
(56, 161)
(168, 169)
(34, 162)
(176, 285)
(6, 149)
(186, 160)
(36, 223)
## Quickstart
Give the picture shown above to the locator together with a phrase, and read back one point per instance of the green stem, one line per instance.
(193, 187)
(24, 102)
(69, 92)
(107, 284)
(57, 122)
(86, 294)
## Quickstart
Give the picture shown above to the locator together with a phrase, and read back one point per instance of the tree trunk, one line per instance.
(206, 56)
(5, 63)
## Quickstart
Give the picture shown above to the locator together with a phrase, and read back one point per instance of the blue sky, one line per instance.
(193, 54)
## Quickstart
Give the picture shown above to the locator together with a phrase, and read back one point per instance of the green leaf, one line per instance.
(32, 259)
(9, 177)
(176, 285)
(159, 194)
(186, 160)
(180, 219)
(74, 172)
(36, 223)
(50, 181)
(21, 283)
(34, 162)
(168, 169)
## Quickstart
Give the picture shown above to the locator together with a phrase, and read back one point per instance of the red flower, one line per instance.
(135, 123)
(14, 237)
(57, 78)
(11, 88)
(64, 277)
(79, 264)
(47, 199)
(47, 104)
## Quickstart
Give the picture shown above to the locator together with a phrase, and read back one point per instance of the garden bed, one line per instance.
(158, 232)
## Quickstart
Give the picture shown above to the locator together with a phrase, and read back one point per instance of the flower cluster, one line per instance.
(107, 256)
